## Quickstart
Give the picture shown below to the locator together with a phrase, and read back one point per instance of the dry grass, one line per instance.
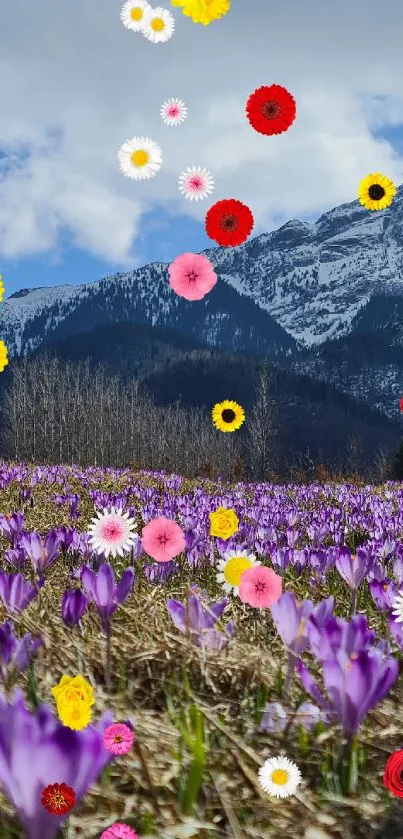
(152, 661)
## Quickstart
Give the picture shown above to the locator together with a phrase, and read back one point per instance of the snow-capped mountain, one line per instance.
(289, 294)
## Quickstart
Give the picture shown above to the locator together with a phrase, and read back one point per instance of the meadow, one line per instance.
(210, 699)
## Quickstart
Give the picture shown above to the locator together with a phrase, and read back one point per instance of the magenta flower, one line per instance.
(163, 539)
(118, 738)
(260, 587)
(119, 831)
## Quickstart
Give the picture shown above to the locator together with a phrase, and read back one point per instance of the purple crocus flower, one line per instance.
(383, 593)
(104, 592)
(290, 617)
(199, 618)
(53, 753)
(74, 604)
(16, 592)
(354, 567)
(274, 719)
(157, 572)
(41, 552)
(308, 716)
(15, 653)
(16, 557)
(356, 675)
(11, 526)
(356, 686)
(338, 635)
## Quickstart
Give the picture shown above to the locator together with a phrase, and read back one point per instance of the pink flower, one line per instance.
(119, 831)
(118, 738)
(260, 587)
(163, 539)
(192, 276)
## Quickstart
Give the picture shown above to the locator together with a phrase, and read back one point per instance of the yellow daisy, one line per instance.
(376, 192)
(1, 287)
(203, 11)
(228, 415)
(3, 356)
(231, 568)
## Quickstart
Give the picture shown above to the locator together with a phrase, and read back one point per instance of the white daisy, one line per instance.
(132, 14)
(112, 532)
(196, 183)
(231, 568)
(173, 112)
(397, 607)
(158, 25)
(140, 158)
(279, 777)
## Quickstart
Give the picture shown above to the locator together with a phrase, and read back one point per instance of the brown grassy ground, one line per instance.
(152, 661)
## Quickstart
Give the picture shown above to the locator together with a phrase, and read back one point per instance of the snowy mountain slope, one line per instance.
(312, 279)
(224, 319)
(325, 299)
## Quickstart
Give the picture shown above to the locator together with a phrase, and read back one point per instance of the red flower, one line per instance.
(58, 799)
(271, 110)
(401, 404)
(392, 778)
(229, 222)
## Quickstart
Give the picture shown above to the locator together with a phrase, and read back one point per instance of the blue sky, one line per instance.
(67, 215)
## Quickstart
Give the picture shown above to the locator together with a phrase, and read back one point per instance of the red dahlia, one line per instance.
(393, 777)
(58, 799)
(229, 222)
(271, 110)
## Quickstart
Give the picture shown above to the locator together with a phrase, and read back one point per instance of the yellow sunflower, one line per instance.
(376, 192)
(228, 415)
(1, 287)
(203, 11)
(3, 356)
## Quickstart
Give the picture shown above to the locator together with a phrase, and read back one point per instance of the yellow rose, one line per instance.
(75, 715)
(73, 689)
(223, 523)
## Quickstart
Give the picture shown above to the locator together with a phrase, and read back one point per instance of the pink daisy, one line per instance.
(163, 539)
(118, 738)
(119, 831)
(196, 183)
(192, 276)
(260, 587)
(173, 112)
(112, 532)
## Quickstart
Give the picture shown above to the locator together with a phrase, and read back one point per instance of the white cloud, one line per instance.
(75, 84)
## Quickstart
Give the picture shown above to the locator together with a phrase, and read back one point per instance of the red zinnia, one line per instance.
(401, 404)
(58, 799)
(229, 222)
(271, 110)
(393, 773)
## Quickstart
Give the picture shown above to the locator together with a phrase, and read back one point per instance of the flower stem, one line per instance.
(107, 672)
(354, 603)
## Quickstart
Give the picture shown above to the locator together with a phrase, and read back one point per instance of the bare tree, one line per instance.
(262, 426)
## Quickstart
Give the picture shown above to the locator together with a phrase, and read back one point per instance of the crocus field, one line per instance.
(206, 685)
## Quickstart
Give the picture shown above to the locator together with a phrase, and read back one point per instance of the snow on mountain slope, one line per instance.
(312, 279)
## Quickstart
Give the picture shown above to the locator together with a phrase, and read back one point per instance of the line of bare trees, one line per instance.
(61, 412)
(58, 412)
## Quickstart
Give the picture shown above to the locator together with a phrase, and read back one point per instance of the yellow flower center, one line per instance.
(140, 158)
(234, 569)
(136, 13)
(279, 776)
(157, 24)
